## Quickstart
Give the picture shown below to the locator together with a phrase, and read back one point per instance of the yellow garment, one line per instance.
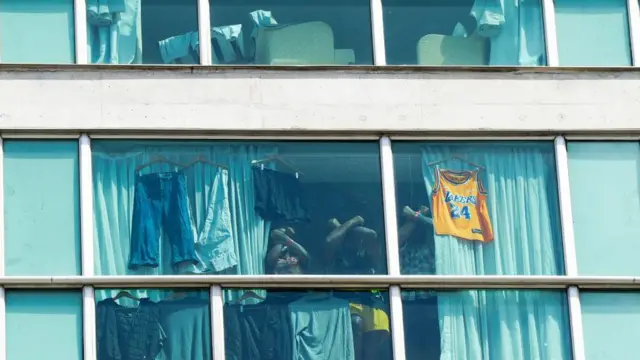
(460, 206)
(374, 319)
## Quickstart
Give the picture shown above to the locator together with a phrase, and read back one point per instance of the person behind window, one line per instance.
(285, 256)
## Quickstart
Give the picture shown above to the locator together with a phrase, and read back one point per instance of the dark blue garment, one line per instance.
(160, 203)
(279, 196)
(128, 333)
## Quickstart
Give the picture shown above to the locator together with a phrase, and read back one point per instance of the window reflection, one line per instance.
(478, 208)
(166, 208)
(37, 32)
(285, 32)
(464, 32)
(153, 324)
(487, 324)
(282, 324)
(142, 32)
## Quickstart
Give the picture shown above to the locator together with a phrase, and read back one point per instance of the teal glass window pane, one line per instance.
(246, 208)
(611, 324)
(300, 324)
(495, 211)
(174, 323)
(44, 324)
(288, 32)
(42, 214)
(464, 33)
(593, 32)
(142, 32)
(37, 32)
(605, 201)
(486, 324)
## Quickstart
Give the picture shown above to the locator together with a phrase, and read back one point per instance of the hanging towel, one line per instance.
(179, 49)
(489, 15)
(228, 43)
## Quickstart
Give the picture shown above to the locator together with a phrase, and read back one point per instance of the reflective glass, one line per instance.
(294, 324)
(474, 208)
(442, 32)
(153, 324)
(168, 208)
(593, 32)
(288, 32)
(142, 32)
(41, 209)
(486, 325)
(611, 324)
(605, 198)
(37, 32)
(44, 325)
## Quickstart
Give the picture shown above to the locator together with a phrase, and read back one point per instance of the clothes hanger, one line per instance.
(456, 157)
(159, 159)
(249, 294)
(204, 160)
(125, 294)
(279, 159)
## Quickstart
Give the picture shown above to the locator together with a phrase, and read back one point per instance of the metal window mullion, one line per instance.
(568, 241)
(217, 322)
(80, 31)
(204, 31)
(550, 32)
(86, 245)
(3, 307)
(391, 237)
(377, 33)
(633, 13)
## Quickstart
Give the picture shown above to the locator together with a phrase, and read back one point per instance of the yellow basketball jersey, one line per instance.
(459, 205)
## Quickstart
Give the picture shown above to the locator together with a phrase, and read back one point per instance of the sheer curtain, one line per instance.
(522, 199)
(114, 31)
(114, 179)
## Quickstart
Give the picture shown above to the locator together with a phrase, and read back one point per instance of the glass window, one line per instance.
(143, 32)
(294, 324)
(175, 324)
(486, 324)
(605, 199)
(37, 31)
(42, 323)
(238, 208)
(287, 32)
(593, 32)
(42, 213)
(464, 32)
(611, 324)
(469, 208)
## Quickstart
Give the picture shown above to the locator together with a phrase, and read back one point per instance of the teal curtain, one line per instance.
(114, 175)
(114, 31)
(522, 200)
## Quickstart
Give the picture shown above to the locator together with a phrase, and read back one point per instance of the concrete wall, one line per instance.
(369, 100)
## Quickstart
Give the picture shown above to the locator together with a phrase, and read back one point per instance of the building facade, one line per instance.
(357, 180)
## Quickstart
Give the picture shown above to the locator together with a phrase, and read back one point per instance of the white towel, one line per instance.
(489, 15)
(230, 42)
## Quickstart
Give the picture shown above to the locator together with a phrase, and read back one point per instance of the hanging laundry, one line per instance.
(279, 196)
(459, 203)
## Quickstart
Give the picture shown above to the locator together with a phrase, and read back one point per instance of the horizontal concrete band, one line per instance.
(297, 101)
(326, 281)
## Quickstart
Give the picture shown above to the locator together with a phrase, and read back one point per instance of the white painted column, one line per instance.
(80, 26)
(550, 34)
(633, 10)
(568, 239)
(377, 33)
(393, 256)
(204, 31)
(217, 322)
(86, 240)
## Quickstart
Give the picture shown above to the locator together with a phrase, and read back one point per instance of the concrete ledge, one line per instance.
(323, 100)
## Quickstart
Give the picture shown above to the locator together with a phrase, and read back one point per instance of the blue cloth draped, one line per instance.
(114, 177)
